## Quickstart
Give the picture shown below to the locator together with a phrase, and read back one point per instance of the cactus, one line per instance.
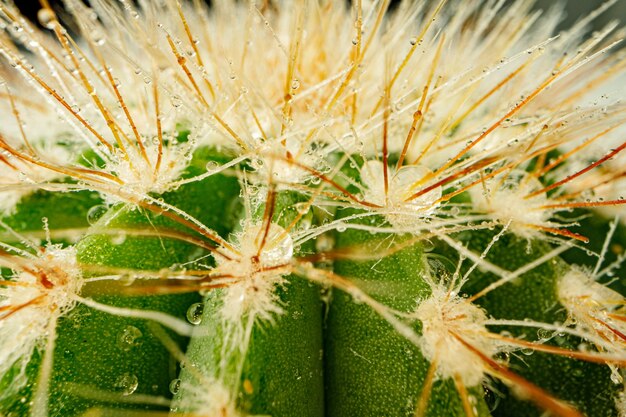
(311, 208)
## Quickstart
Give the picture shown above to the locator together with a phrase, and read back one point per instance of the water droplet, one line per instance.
(95, 213)
(305, 223)
(402, 186)
(175, 386)
(176, 100)
(176, 267)
(280, 247)
(118, 239)
(126, 384)
(427, 245)
(544, 334)
(194, 313)
(129, 338)
(257, 164)
(527, 351)
(324, 243)
(98, 37)
(212, 165)
(295, 84)
(127, 279)
(46, 18)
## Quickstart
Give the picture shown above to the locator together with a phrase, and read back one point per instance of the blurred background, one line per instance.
(575, 9)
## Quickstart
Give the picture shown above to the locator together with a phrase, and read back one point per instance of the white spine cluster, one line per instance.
(261, 258)
(31, 302)
(449, 324)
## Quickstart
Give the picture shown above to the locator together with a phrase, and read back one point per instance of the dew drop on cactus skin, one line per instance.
(126, 384)
(175, 386)
(95, 213)
(129, 338)
(194, 313)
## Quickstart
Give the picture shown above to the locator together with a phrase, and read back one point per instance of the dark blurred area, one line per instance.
(575, 9)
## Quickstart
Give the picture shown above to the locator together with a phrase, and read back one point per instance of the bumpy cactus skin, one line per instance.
(311, 208)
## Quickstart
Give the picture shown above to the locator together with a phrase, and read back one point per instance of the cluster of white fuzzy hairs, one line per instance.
(448, 177)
